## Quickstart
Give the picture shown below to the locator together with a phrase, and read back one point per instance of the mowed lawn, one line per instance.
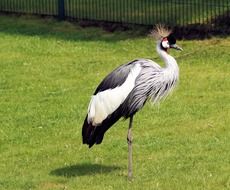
(48, 72)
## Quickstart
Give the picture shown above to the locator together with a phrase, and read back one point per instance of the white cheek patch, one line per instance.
(165, 44)
(106, 102)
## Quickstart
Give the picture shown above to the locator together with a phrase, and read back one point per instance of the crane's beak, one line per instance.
(174, 46)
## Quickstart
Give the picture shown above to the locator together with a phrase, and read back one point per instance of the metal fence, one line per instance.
(145, 12)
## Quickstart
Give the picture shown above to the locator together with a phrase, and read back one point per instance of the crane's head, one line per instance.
(165, 38)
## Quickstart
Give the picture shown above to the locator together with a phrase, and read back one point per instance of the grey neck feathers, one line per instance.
(170, 62)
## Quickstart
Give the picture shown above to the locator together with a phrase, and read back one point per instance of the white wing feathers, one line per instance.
(106, 102)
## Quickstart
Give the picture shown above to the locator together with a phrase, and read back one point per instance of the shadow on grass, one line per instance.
(83, 169)
(49, 27)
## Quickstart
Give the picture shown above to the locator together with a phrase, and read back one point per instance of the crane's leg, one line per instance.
(129, 140)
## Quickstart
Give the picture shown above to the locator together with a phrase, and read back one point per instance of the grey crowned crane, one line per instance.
(125, 91)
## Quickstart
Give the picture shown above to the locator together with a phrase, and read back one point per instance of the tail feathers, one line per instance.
(91, 134)
(94, 134)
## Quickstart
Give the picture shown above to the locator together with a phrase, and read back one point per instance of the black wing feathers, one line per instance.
(115, 78)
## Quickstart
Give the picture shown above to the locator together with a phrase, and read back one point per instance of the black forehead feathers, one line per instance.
(171, 39)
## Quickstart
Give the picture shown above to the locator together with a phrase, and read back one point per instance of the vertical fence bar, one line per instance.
(172, 12)
(123, 18)
(228, 9)
(140, 12)
(6, 6)
(41, 7)
(83, 8)
(19, 6)
(206, 5)
(10, 5)
(87, 4)
(96, 9)
(36, 6)
(75, 7)
(67, 9)
(93, 8)
(195, 11)
(23, 6)
(51, 8)
(47, 7)
(198, 12)
(182, 22)
(147, 12)
(213, 14)
(122, 11)
(205, 18)
(214, 9)
(192, 11)
(61, 9)
(132, 11)
(143, 12)
(162, 15)
(103, 10)
(128, 12)
(27, 6)
(31, 7)
(110, 10)
(221, 11)
(119, 13)
(75, 4)
(155, 4)
(150, 15)
(202, 13)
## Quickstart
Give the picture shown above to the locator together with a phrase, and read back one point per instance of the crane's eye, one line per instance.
(165, 43)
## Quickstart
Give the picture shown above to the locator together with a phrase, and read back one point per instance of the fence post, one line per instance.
(61, 9)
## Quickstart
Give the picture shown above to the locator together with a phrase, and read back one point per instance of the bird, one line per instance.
(124, 91)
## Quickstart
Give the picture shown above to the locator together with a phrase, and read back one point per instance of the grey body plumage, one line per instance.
(152, 83)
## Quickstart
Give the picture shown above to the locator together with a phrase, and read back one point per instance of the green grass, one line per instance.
(48, 71)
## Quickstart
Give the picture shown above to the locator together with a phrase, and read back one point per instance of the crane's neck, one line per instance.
(170, 62)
